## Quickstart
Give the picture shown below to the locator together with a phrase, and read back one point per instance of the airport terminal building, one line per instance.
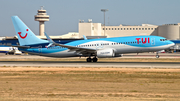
(169, 31)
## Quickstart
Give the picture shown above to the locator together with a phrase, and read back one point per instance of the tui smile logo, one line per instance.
(23, 37)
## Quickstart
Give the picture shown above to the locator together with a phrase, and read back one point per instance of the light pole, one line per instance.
(104, 10)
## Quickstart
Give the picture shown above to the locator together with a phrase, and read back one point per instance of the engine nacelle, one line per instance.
(106, 53)
(118, 55)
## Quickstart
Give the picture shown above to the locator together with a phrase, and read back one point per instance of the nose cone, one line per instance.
(171, 43)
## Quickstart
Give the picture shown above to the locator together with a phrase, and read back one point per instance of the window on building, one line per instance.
(124, 28)
(151, 28)
(142, 28)
(133, 28)
(103, 28)
(136, 28)
(139, 28)
(109, 28)
(148, 28)
(114, 28)
(121, 28)
(127, 28)
(118, 28)
(106, 28)
(145, 28)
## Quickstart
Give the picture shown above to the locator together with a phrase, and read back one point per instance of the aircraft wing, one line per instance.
(77, 49)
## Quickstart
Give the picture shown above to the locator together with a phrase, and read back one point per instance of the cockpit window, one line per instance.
(163, 39)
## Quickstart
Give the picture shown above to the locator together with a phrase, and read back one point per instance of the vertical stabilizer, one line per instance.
(24, 34)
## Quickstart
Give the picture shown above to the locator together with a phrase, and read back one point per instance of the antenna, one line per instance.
(42, 7)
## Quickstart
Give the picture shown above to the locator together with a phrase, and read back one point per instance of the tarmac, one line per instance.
(80, 64)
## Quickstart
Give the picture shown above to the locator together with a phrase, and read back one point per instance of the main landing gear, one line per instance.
(91, 59)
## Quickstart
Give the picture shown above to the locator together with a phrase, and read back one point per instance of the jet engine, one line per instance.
(106, 53)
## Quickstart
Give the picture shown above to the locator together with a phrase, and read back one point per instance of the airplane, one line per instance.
(96, 48)
(9, 50)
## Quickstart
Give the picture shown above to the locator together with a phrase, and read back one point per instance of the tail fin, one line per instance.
(24, 34)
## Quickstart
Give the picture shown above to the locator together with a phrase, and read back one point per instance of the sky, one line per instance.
(65, 14)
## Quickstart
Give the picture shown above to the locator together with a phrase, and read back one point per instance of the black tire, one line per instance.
(89, 60)
(95, 59)
(157, 56)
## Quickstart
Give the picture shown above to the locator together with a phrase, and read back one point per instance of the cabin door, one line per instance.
(152, 41)
(40, 49)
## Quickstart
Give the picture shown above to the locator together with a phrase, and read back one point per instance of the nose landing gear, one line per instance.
(157, 56)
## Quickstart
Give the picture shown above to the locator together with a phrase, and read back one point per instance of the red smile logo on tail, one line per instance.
(23, 37)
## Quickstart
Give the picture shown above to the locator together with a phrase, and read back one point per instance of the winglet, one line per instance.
(84, 37)
(48, 38)
(51, 42)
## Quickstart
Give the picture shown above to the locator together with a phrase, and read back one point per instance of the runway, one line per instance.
(39, 61)
(80, 64)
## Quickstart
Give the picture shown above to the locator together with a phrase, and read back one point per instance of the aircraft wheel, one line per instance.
(95, 59)
(157, 56)
(89, 60)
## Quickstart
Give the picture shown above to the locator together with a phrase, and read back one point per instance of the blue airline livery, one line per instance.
(101, 48)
